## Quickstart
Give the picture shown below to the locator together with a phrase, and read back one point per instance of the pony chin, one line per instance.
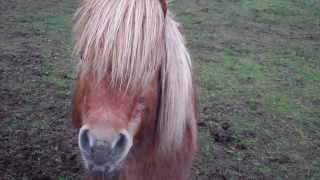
(101, 170)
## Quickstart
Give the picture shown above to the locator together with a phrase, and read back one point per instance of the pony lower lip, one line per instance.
(100, 171)
(107, 167)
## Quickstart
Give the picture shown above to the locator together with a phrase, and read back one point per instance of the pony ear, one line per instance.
(164, 6)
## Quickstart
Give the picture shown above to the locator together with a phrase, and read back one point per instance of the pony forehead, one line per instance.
(121, 39)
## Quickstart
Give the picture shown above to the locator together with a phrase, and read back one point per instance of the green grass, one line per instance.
(47, 27)
(263, 55)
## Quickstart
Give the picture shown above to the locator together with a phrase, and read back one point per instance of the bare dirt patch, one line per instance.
(37, 141)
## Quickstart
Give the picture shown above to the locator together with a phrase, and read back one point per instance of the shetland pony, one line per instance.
(134, 99)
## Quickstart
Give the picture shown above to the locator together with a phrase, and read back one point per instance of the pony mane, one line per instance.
(121, 37)
(130, 41)
(177, 106)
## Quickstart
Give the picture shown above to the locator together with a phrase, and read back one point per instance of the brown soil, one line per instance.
(36, 140)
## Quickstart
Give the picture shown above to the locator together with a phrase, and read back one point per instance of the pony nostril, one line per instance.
(120, 142)
(84, 141)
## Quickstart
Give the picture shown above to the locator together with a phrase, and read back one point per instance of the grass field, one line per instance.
(258, 65)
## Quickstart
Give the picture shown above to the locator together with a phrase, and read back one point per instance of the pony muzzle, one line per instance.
(103, 152)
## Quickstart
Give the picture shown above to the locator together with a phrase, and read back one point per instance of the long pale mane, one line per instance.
(130, 41)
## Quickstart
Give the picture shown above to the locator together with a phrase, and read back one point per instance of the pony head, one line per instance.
(111, 121)
(134, 86)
